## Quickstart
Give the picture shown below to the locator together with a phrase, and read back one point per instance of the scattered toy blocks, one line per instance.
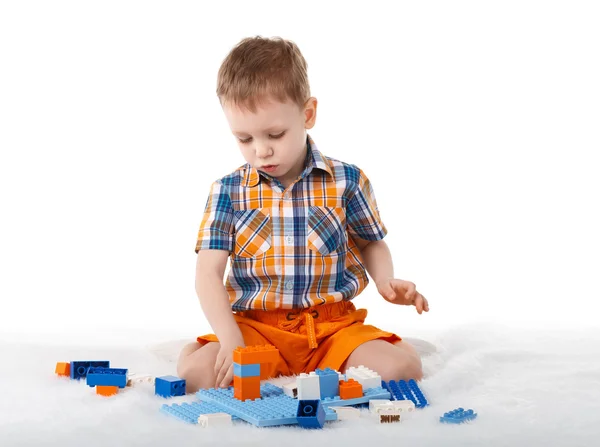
(365, 376)
(107, 377)
(169, 386)
(79, 369)
(246, 388)
(273, 408)
(134, 379)
(251, 370)
(309, 386)
(255, 354)
(63, 369)
(458, 416)
(402, 390)
(214, 419)
(350, 389)
(310, 413)
(328, 382)
(107, 390)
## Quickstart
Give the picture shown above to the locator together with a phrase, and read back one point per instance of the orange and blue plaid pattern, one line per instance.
(292, 247)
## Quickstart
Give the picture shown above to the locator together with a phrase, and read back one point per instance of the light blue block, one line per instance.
(371, 393)
(246, 370)
(190, 411)
(329, 382)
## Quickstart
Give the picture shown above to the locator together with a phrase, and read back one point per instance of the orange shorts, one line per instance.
(317, 337)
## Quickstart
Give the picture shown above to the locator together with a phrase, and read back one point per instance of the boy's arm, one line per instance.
(214, 300)
(377, 258)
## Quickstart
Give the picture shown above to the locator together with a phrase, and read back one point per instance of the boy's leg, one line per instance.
(197, 365)
(392, 361)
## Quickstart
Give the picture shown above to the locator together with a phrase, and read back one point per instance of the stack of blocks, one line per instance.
(106, 380)
(247, 369)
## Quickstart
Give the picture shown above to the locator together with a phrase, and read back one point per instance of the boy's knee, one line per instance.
(404, 367)
(198, 368)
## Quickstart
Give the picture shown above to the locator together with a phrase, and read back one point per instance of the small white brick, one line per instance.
(138, 379)
(365, 376)
(214, 420)
(404, 406)
(309, 387)
(291, 389)
(375, 404)
(344, 413)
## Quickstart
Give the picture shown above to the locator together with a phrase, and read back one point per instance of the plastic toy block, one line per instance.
(107, 390)
(291, 389)
(458, 416)
(386, 406)
(273, 408)
(79, 368)
(255, 354)
(329, 383)
(403, 390)
(63, 369)
(214, 420)
(310, 413)
(134, 379)
(371, 393)
(309, 386)
(246, 388)
(344, 413)
(107, 377)
(350, 389)
(169, 386)
(365, 376)
(251, 370)
(190, 412)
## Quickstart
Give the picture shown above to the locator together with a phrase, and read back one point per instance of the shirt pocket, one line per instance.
(326, 229)
(253, 230)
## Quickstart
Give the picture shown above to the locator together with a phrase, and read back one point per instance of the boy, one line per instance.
(300, 228)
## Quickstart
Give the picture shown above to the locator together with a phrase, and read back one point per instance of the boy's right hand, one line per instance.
(224, 362)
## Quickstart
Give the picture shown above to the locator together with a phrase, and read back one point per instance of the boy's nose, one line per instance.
(263, 150)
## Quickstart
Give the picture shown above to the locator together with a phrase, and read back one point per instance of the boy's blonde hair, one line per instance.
(259, 67)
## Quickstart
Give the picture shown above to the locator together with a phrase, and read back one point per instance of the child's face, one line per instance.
(273, 139)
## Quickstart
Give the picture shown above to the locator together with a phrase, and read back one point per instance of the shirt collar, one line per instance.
(314, 160)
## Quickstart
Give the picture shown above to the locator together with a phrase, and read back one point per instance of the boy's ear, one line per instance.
(310, 112)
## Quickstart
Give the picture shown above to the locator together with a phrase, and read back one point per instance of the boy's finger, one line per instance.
(411, 292)
(227, 380)
(419, 304)
(387, 291)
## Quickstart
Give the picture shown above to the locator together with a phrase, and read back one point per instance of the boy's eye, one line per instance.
(249, 139)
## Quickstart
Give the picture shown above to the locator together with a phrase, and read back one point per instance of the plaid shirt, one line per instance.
(292, 248)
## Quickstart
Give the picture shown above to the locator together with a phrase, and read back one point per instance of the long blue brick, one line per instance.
(402, 390)
(246, 370)
(458, 416)
(79, 368)
(107, 377)
(273, 408)
(371, 393)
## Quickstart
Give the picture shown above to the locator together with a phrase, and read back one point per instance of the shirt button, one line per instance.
(289, 240)
(289, 285)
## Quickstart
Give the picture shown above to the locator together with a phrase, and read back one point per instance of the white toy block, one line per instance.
(365, 376)
(308, 386)
(404, 406)
(387, 416)
(214, 420)
(376, 404)
(138, 379)
(291, 389)
(344, 413)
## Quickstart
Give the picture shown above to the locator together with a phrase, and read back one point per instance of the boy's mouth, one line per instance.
(268, 168)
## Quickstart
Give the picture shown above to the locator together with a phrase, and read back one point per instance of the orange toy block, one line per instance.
(255, 354)
(350, 389)
(245, 388)
(63, 369)
(106, 390)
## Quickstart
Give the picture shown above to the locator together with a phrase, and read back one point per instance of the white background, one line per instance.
(478, 124)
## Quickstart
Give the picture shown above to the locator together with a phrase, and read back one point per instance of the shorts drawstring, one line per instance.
(293, 320)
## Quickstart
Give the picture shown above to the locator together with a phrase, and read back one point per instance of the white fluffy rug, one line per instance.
(528, 388)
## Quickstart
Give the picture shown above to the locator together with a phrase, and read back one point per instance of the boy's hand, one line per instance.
(397, 291)
(224, 363)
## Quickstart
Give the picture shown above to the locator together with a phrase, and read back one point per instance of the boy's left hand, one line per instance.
(397, 291)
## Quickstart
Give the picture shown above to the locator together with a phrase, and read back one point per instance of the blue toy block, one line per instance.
(273, 408)
(107, 377)
(402, 390)
(369, 394)
(329, 382)
(169, 386)
(458, 416)
(310, 414)
(79, 369)
(246, 370)
(190, 412)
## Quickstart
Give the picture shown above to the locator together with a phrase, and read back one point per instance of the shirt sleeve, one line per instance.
(216, 228)
(362, 213)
